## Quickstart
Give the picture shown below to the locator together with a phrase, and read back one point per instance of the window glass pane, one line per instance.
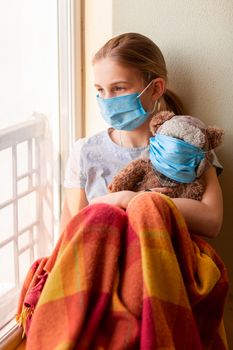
(22, 158)
(24, 263)
(24, 239)
(29, 60)
(23, 185)
(7, 275)
(6, 223)
(27, 210)
(6, 174)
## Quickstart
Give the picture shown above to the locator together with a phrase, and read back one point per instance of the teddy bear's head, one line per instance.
(189, 129)
(170, 162)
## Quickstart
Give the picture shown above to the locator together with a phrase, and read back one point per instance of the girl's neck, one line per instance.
(132, 139)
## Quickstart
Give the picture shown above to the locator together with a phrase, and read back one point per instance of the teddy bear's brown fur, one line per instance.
(139, 174)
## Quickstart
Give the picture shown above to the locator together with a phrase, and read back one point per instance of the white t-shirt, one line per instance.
(95, 160)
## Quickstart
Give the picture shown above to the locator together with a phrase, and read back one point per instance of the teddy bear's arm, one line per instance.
(129, 176)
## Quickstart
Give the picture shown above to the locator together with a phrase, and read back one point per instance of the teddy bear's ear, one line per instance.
(158, 119)
(214, 136)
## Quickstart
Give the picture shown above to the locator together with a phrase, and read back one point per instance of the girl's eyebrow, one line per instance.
(116, 82)
(120, 82)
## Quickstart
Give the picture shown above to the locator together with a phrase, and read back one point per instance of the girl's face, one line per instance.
(113, 79)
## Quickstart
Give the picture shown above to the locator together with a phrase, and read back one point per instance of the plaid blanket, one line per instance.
(127, 280)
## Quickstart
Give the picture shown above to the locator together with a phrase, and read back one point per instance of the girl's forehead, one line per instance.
(108, 71)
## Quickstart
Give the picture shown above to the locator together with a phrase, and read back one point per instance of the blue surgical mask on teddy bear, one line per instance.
(124, 112)
(175, 158)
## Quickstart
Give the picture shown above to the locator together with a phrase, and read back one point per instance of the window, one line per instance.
(40, 86)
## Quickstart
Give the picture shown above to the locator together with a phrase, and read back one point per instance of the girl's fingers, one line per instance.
(161, 189)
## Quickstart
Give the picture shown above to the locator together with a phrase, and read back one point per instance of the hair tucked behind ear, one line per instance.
(138, 51)
(170, 102)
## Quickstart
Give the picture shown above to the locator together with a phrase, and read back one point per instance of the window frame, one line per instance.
(71, 77)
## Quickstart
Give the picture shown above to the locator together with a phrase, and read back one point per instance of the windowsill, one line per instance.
(10, 336)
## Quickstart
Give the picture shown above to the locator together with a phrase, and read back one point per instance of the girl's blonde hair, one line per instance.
(138, 51)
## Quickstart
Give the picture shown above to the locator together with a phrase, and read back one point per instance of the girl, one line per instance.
(133, 279)
(130, 79)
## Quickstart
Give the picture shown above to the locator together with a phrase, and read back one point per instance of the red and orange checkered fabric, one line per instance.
(128, 280)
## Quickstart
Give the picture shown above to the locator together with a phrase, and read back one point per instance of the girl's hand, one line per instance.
(120, 199)
(164, 190)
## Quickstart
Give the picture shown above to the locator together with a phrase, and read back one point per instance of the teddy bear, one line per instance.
(142, 174)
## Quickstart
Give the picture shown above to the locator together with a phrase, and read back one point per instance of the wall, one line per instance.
(98, 29)
(196, 40)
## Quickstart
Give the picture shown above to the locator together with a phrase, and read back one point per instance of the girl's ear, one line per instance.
(158, 86)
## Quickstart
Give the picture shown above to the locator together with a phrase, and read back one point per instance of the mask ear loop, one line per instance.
(145, 89)
(156, 102)
(155, 107)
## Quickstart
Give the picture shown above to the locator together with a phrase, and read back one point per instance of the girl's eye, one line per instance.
(100, 91)
(118, 88)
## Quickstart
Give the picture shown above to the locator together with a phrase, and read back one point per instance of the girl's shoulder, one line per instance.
(95, 148)
(91, 141)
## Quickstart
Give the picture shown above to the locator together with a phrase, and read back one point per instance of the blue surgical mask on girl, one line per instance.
(175, 158)
(124, 112)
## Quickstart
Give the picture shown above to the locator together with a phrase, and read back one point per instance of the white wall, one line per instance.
(196, 40)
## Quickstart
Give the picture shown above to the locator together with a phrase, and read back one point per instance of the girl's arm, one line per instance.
(75, 200)
(204, 217)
